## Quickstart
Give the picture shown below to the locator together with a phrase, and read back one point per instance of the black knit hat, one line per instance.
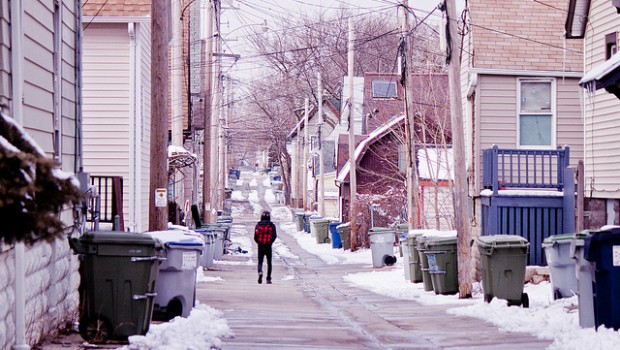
(265, 216)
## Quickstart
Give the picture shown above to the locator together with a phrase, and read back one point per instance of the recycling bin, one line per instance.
(442, 264)
(602, 250)
(415, 271)
(344, 231)
(321, 230)
(334, 236)
(584, 274)
(426, 276)
(382, 246)
(561, 265)
(126, 267)
(176, 287)
(503, 259)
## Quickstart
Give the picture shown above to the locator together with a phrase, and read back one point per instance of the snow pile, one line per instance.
(202, 329)
(237, 196)
(253, 183)
(239, 182)
(270, 198)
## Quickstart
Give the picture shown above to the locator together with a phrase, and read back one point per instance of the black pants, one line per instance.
(264, 250)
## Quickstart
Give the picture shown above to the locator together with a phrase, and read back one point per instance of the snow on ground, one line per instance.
(556, 320)
(270, 198)
(267, 182)
(237, 196)
(202, 329)
(253, 183)
(201, 278)
(239, 182)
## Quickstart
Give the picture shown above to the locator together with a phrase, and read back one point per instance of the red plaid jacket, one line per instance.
(265, 232)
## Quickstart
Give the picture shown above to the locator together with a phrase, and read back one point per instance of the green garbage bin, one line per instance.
(401, 232)
(503, 259)
(415, 271)
(344, 230)
(321, 229)
(299, 220)
(426, 276)
(442, 264)
(118, 272)
(561, 265)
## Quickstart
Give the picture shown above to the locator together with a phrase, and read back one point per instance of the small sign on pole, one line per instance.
(161, 196)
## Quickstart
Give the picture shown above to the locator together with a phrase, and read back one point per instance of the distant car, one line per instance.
(234, 173)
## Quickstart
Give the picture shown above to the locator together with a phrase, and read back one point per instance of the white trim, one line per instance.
(116, 19)
(527, 73)
(553, 113)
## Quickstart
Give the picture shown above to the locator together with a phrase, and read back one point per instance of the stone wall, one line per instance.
(52, 298)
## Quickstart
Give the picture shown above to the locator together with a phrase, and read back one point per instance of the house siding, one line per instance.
(106, 99)
(602, 156)
(50, 267)
(497, 117)
(144, 106)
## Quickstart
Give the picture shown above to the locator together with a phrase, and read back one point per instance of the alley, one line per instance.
(310, 306)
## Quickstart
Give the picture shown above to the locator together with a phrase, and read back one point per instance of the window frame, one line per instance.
(553, 112)
(384, 81)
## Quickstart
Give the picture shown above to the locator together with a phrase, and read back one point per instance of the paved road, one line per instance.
(310, 307)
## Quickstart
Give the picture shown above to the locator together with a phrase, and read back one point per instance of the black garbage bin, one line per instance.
(118, 273)
(602, 250)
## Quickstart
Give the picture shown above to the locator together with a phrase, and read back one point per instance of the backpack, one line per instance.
(264, 233)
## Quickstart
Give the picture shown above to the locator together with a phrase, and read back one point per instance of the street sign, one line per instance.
(161, 196)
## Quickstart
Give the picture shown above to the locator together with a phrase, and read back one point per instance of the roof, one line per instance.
(577, 18)
(605, 75)
(116, 8)
(331, 103)
(523, 35)
(373, 137)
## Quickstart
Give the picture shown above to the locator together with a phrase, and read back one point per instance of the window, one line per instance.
(536, 122)
(384, 89)
(610, 45)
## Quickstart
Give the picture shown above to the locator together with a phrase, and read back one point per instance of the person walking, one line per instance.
(264, 235)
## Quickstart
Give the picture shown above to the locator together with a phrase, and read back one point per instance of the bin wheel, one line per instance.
(174, 309)
(525, 300)
(95, 329)
(556, 294)
(327, 240)
(488, 298)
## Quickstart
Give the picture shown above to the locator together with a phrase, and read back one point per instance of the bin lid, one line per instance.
(319, 221)
(502, 241)
(438, 240)
(114, 237)
(177, 239)
(380, 230)
(559, 239)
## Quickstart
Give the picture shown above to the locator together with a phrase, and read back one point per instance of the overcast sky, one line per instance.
(240, 17)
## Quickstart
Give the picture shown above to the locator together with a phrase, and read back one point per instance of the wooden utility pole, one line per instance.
(321, 168)
(352, 165)
(304, 189)
(207, 140)
(177, 93)
(300, 168)
(158, 215)
(410, 149)
(464, 258)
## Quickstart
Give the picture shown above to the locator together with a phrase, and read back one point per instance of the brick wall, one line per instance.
(52, 282)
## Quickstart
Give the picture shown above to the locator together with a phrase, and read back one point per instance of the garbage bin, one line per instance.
(176, 284)
(503, 259)
(415, 271)
(125, 266)
(206, 260)
(584, 273)
(401, 231)
(311, 220)
(299, 220)
(602, 249)
(321, 230)
(382, 246)
(334, 236)
(307, 222)
(561, 265)
(426, 276)
(344, 230)
(442, 264)
(406, 255)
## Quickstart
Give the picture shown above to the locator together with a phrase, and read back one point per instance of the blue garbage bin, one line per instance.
(335, 236)
(602, 250)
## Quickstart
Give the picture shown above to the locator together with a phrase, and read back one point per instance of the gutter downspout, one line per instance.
(79, 160)
(17, 85)
(134, 206)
